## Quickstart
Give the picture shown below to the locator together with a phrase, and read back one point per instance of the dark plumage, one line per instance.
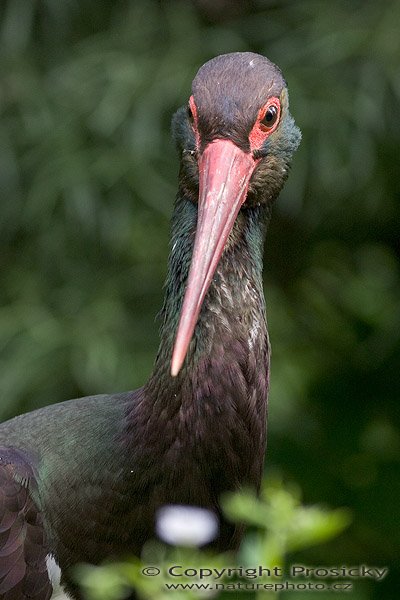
(81, 480)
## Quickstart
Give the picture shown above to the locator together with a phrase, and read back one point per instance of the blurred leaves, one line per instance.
(288, 525)
(281, 525)
(89, 174)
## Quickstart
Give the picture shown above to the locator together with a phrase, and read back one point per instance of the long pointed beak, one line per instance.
(224, 175)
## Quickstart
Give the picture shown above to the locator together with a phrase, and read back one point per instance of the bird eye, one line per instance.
(270, 117)
(190, 114)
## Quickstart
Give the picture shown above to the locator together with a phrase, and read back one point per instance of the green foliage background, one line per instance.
(88, 176)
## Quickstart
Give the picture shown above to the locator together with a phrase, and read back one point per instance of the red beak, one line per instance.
(224, 175)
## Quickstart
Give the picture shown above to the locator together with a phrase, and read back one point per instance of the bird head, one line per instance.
(236, 138)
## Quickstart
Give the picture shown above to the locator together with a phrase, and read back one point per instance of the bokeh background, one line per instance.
(87, 180)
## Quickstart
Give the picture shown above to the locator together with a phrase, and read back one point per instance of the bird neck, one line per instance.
(203, 432)
(230, 342)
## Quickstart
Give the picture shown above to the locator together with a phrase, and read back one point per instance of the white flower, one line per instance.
(182, 525)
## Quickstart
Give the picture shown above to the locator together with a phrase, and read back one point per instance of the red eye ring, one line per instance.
(192, 116)
(192, 110)
(267, 121)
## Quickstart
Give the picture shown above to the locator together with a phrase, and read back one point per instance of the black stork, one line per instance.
(81, 481)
